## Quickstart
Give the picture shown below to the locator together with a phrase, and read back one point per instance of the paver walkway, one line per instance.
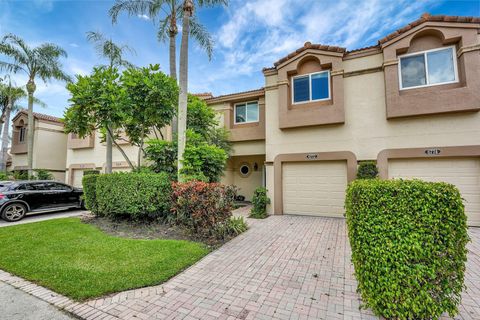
(284, 267)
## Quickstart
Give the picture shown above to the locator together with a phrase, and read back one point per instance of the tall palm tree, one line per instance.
(114, 53)
(9, 96)
(36, 62)
(188, 12)
(167, 13)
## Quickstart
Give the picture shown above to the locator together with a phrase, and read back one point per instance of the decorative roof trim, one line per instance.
(236, 96)
(39, 116)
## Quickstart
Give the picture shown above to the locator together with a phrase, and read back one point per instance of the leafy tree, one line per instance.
(207, 146)
(9, 96)
(150, 100)
(114, 53)
(41, 62)
(96, 103)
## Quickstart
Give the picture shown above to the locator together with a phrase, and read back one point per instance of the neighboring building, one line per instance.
(410, 102)
(49, 144)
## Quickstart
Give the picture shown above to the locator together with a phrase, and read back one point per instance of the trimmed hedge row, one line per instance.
(132, 195)
(89, 182)
(408, 241)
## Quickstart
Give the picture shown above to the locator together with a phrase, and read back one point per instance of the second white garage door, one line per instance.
(461, 172)
(314, 188)
(77, 178)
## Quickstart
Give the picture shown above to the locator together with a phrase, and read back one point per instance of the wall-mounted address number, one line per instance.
(432, 152)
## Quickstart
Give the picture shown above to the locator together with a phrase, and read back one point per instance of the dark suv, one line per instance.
(17, 198)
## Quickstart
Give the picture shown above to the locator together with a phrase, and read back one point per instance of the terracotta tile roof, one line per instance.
(40, 116)
(260, 91)
(424, 18)
(309, 45)
(203, 95)
(428, 17)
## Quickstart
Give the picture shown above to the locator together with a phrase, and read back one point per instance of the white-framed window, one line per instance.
(428, 68)
(22, 134)
(246, 112)
(311, 87)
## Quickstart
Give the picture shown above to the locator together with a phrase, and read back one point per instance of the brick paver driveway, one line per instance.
(284, 267)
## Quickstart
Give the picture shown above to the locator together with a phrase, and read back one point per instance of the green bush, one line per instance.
(201, 206)
(260, 201)
(4, 176)
(138, 196)
(230, 228)
(89, 182)
(408, 241)
(90, 171)
(205, 160)
(367, 170)
(43, 174)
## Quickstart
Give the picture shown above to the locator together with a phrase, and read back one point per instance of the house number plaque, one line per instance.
(312, 156)
(432, 152)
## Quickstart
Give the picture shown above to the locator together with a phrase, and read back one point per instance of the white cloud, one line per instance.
(74, 45)
(143, 17)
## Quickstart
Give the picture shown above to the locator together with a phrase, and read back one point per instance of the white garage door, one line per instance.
(462, 172)
(77, 177)
(314, 188)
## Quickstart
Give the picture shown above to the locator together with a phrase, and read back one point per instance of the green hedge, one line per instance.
(260, 201)
(367, 170)
(89, 191)
(408, 241)
(138, 196)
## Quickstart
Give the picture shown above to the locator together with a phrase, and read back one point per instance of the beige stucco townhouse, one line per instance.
(49, 147)
(410, 102)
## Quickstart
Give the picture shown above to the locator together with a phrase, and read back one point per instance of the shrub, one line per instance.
(367, 170)
(89, 182)
(4, 176)
(230, 228)
(201, 206)
(90, 171)
(260, 202)
(139, 196)
(204, 159)
(43, 174)
(408, 241)
(162, 156)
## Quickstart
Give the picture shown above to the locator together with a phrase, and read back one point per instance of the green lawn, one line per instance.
(81, 262)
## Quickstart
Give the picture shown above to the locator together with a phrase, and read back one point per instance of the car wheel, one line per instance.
(14, 212)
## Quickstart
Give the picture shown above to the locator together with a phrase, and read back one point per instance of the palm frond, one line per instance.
(202, 36)
(10, 67)
(163, 30)
(211, 3)
(135, 7)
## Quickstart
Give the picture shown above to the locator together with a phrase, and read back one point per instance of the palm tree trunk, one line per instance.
(173, 57)
(30, 89)
(108, 165)
(6, 126)
(183, 97)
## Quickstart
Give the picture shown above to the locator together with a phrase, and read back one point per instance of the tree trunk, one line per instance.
(130, 164)
(4, 149)
(108, 165)
(183, 97)
(30, 89)
(173, 58)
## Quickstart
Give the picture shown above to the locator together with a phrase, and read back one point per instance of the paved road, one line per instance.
(18, 305)
(44, 216)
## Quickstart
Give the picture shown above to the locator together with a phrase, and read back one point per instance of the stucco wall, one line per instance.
(97, 154)
(366, 131)
(247, 184)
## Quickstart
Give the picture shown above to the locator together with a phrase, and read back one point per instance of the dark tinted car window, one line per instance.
(40, 186)
(57, 186)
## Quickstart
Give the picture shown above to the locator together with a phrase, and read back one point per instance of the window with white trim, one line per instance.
(311, 87)
(428, 68)
(246, 112)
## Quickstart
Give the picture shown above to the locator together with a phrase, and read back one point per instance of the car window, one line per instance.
(39, 186)
(57, 186)
(5, 187)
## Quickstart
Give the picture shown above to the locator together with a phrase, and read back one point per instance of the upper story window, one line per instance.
(22, 134)
(428, 68)
(246, 112)
(311, 87)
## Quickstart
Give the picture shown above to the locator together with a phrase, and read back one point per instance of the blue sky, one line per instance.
(249, 35)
